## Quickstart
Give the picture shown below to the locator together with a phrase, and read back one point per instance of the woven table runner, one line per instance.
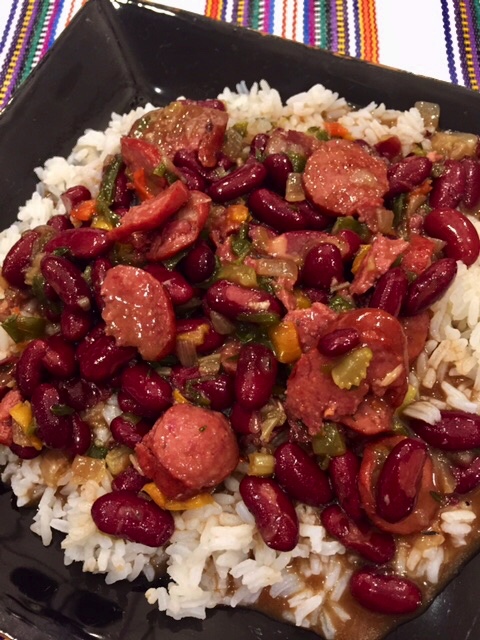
(437, 38)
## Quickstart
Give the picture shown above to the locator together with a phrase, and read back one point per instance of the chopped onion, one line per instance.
(53, 465)
(454, 144)
(187, 353)
(277, 268)
(118, 459)
(221, 325)
(85, 468)
(272, 416)
(430, 112)
(294, 188)
(209, 365)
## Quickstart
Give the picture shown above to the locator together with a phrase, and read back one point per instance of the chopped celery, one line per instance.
(330, 442)
(22, 328)
(351, 370)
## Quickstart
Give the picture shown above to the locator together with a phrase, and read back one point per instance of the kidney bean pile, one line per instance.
(248, 299)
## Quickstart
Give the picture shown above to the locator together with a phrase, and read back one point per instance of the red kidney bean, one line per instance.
(208, 339)
(101, 359)
(456, 230)
(188, 160)
(81, 437)
(322, 267)
(300, 476)
(24, 453)
(273, 511)
(256, 375)
(60, 223)
(447, 189)
(467, 478)
(59, 358)
(29, 370)
(74, 196)
(240, 303)
(471, 192)
(75, 324)
(54, 431)
(97, 275)
(429, 286)
(67, 281)
(129, 433)
(125, 515)
(179, 290)
(152, 392)
(399, 480)
(199, 263)
(193, 181)
(79, 394)
(18, 259)
(338, 342)
(353, 242)
(343, 471)
(218, 390)
(408, 173)
(238, 183)
(387, 594)
(244, 421)
(278, 166)
(389, 148)
(127, 404)
(84, 243)
(122, 196)
(316, 295)
(455, 431)
(375, 546)
(259, 144)
(270, 208)
(129, 480)
(390, 291)
(314, 219)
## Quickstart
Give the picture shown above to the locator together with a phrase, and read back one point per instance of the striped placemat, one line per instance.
(437, 38)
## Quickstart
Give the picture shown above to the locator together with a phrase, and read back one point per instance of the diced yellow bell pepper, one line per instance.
(197, 336)
(99, 222)
(237, 213)
(303, 301)
(285, 342)
(22, 414)
(178, 398)
(198, 501)
(241, 274)
(360, 257)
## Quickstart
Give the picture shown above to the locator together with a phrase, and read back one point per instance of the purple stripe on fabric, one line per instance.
(14, 41)
(472, 23)
(224, 11)
(448, 42)
(345, 23)
(333, 26)
(246, 14)
(267, 8)
(235, 12)
(312, 29)
(21, 56)
(8, 27)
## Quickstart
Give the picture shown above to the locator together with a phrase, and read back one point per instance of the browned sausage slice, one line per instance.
(138, 312)
(343, 179)
(189, 450)
(151, 214)
(416, 330)
(181, 231)
(182, 125)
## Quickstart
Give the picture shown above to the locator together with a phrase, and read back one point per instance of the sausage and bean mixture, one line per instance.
(247, 299)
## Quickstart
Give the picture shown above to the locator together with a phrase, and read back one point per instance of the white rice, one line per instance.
(216, 555)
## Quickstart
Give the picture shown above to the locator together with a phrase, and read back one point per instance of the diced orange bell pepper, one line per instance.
(140, 184)
(84, 211)
(286, 345)
(198, 501)
(336, 130)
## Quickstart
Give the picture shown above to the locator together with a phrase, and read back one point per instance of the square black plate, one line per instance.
(116, 55)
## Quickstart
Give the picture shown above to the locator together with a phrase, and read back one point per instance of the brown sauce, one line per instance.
(366, 625)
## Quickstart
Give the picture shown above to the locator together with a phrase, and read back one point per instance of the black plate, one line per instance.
(116, 55)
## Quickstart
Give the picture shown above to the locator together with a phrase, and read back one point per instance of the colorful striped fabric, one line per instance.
(437, 38)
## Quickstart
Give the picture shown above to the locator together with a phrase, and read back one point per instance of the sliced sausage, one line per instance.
(9, 401)
(378, 260)
(183, 229)
(139, 154)
(151, 214)
(343, 179)
(416, 330)
(188, 450)
(138, 312)
(182, 125)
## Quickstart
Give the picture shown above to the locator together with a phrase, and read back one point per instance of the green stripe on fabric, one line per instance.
(254, 10)
(323, 11)
(33, 45)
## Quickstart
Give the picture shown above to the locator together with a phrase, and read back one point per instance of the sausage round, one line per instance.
(342, 179)
(188, 450)
(138, 312)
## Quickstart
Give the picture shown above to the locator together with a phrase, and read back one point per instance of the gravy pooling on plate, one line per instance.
(221, 351)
